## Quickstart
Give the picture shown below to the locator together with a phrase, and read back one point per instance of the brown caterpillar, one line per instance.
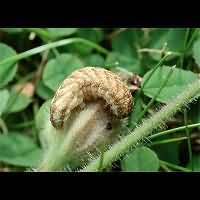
(89, 84)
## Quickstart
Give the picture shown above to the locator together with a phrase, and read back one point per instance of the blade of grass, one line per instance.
(168, 141)
(174, 130)
(194, 34)
(186, 38)
(52, 45)
(45, 36)
(184, 47)
(173, 166)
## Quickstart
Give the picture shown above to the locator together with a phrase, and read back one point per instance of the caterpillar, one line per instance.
(90, 84)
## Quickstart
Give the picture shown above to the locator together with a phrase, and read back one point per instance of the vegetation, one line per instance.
(162, 133)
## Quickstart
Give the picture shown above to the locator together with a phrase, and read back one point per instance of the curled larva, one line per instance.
(90, 84)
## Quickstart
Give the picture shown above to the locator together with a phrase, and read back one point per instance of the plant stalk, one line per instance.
(82, 133)
(155, 121)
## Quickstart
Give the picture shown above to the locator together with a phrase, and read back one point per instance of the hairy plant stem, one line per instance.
(52, 158)
(82, 132)
(155, 121)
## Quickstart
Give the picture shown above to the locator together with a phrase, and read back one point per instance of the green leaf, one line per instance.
(141, 159)
(168, 152)
(92, 34)
(17, 102)
(43, 91)
(175, 85)
(7, 71)
(196, 163)
(43, 115)
(196, 52)
(61, 32)
(174, 37)
(127, 42)
(94, 60)
(20, 150)
(4, 96)
(12, 30)
(43, 123)
(137, 109)
(130, 63)
(194, 112)
(59, 68)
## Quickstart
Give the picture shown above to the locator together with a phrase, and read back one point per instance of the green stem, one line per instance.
(194, 34)
(70, 144)
(3, 126)
(165, 168)
(184, 47)
(101, 161)
(174, 166)
(56, 53)
(154, 69)
(155, 121)
(58, 153)
(52, 45)
(50, 161)
(156, 95)
(168, 141)
(188, 139)
(174, 130)
(132, 125)
(186, 38)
